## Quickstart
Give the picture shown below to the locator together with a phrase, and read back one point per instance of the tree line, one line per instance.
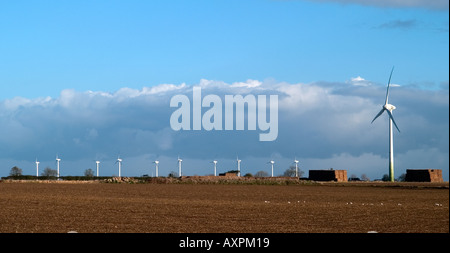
(89, 173)
(47, 172)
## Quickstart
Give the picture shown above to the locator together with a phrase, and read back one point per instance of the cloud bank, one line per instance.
(324, 125)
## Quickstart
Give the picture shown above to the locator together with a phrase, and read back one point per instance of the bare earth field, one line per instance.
(204, 208)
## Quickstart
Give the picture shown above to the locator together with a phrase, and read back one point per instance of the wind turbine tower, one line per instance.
(156, 165)
(119, 161)
(296, 167)
(57, 165)
(272, 162)
(238, 161)
(97, 163)
(37, 168)
(179, 166)
(215, 167)
(389, 108)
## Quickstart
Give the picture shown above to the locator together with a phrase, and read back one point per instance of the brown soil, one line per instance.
(196, 208)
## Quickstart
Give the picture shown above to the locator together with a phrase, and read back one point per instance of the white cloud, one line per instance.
(300, 98)
(248, 84)
(162, 88)
(16, 102)
(359, 81)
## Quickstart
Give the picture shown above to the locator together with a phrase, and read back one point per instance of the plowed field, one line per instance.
(166, 208)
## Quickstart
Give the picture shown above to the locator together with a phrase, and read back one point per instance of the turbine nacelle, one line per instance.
(389, 107)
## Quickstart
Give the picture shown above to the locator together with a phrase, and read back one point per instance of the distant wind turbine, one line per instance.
(97, 163)
(215, 167)
(272, 162)
(37, 168)
(389, 108)
(119, 161)
(296, 167)
(238, 161)
(57, 165)
(179, 166)
(156, 165)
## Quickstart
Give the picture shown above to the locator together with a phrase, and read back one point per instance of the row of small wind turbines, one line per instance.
(238, 162)
(58, 160)
(156, 162)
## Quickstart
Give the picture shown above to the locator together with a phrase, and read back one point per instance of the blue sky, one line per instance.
(53, 53)
(48, 46)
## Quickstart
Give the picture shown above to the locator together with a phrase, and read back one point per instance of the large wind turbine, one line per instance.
(389, 108)
(156, 165)
(119, 161)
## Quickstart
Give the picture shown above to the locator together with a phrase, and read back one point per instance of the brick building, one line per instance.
(424, 175)
(328, 175)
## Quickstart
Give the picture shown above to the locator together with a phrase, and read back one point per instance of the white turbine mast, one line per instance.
(119, 161)
(296, 166)
(58, 160)
(272, 162)
(215, 167)
(238, 161)
(389, 108)
(179, 166)
(97, 164)
(156, 167)
(37, 168)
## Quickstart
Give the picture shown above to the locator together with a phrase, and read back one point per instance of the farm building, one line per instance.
(229, 174)
(328, 175)
(424, 175)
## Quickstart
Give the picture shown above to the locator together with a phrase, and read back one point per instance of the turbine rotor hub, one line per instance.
(389, 107)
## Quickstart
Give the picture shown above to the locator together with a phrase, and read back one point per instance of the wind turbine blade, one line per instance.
(378, 115)
(392, 117)
(389, 83)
